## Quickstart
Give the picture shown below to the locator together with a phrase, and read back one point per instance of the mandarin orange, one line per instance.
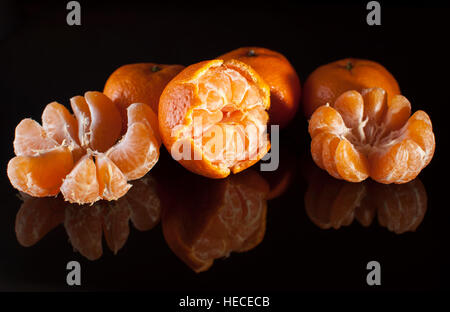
(329, 81)
(138, 83)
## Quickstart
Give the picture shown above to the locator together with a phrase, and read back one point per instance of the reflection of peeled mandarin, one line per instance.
(86, 224)
(332, 203)
(213, 117)
(209, 219)
(362, 135)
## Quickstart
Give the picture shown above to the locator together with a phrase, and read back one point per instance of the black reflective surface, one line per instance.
(308, 231)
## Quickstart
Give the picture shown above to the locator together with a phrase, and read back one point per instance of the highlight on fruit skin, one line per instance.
(213, 117)
(362, 135)
(82, 155)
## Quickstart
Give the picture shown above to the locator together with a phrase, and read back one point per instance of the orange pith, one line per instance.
(138, 83)
(219, 110)
(78, 155)
(279, 74)
(363, 135)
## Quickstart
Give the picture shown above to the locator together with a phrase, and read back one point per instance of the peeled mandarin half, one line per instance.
(213, 117)
(363, 135)
(81, 155)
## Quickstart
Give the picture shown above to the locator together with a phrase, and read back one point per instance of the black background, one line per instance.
(42, 59)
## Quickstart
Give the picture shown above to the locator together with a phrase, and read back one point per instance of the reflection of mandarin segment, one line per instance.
(278, 73)
(363, 135)
(79, 154)
(214, 114)
(210, 219)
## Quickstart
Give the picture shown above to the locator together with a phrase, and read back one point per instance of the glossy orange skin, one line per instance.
(329, 81)
(278, 73)
(141, 82)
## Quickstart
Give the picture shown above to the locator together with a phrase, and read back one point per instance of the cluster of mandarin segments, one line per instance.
(83, 155)
(363, 135)
(204, 112)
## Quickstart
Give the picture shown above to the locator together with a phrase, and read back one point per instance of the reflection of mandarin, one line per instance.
(279, 74)
(329, 81)
(363, 135)
(80, 155)
(210, 219)
(332, 203)
(138, 83)
(214, 114)
(86, 224)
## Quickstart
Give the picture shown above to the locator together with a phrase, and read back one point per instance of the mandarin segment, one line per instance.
(136, 153)
(377, 140)
(30, 139)
(60, 124)
(326, 119)
(397, 113)
(40, 175)
(81, 185)
(139, 112)
(351, 107)
(351, 165)
(106, 123)
(112, 182)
